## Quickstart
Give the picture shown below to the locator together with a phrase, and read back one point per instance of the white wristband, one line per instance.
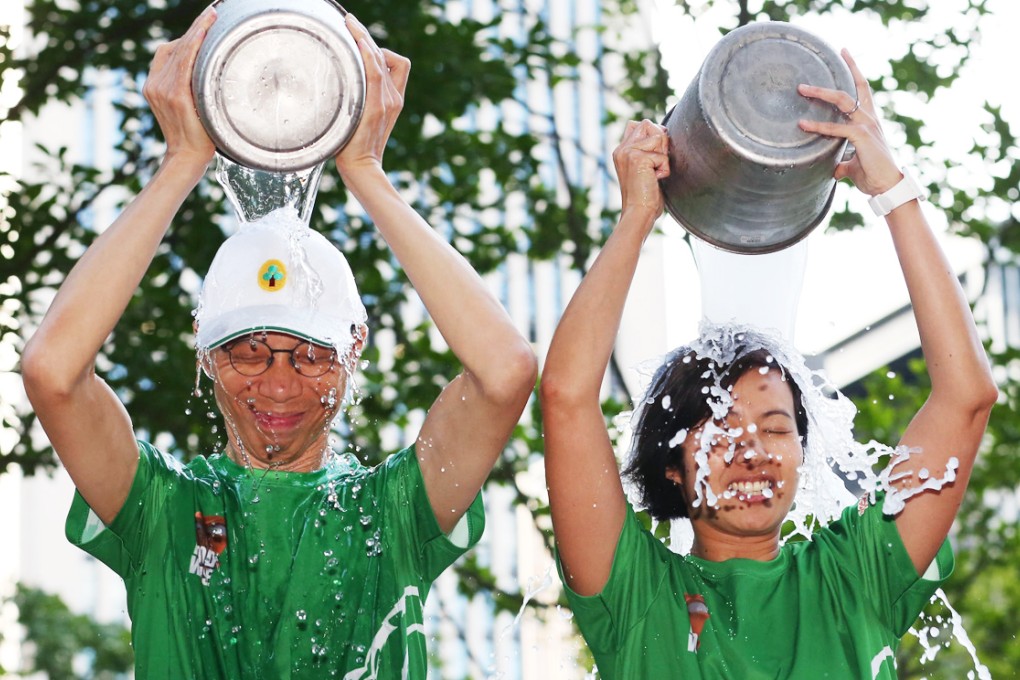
(907, 189)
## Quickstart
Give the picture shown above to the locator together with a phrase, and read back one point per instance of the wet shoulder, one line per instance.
(842, 540)
(405, 457)
(399, 470)
(640, 551)
(170, 468)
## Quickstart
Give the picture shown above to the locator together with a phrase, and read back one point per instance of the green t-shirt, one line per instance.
(238, 573)
(834, 607)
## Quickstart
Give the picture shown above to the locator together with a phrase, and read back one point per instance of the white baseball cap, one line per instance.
(277, 274)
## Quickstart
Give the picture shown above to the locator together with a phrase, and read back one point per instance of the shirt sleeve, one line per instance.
(408, 503)
(871, 553)
(123, 544)
(640, 566)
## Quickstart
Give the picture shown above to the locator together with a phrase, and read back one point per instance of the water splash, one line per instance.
(834, 462)
(897, 495)
(532, 589)
(956, 630)
(255, 194)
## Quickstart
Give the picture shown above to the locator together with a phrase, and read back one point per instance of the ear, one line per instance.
(360, 334)
(204, 360)
(674, 475)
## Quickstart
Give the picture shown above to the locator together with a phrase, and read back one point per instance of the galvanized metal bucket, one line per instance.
(279, 84)
(744, 177)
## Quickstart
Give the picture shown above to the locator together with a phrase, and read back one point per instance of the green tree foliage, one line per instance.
(62, 642)
(461, 175)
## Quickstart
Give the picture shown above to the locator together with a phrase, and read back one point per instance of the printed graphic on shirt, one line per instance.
(210, 542)
(697, 612)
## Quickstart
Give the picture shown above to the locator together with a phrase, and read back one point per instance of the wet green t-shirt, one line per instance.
(835, 607)
(238, 573)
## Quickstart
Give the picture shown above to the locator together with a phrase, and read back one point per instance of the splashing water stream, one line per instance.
(533, 588)
(283, 202)
(957, 631)
(257, 193)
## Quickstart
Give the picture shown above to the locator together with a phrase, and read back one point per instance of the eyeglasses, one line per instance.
(251, 357)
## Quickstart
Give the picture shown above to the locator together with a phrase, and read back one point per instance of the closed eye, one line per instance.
(778, 424)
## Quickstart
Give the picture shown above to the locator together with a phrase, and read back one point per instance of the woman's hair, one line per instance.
(678, 398)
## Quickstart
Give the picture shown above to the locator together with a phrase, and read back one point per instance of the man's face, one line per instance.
(281, 417)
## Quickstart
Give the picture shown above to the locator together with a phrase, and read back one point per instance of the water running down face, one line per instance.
(741, 472)
(281, 418)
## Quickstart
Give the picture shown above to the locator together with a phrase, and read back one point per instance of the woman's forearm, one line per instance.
(586, 333)
(955, 358)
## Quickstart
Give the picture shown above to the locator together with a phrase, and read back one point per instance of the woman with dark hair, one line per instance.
(721, 437)
(684, 379)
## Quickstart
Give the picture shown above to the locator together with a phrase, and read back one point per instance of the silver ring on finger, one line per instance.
(857, 105)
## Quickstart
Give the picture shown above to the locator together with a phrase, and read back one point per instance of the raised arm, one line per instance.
(585, 492)
(469, 424)
(953, 419)
(87, 425)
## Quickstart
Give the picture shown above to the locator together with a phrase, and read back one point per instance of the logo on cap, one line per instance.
(272, 276)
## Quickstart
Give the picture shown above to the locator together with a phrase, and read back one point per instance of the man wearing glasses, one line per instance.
(277, 557)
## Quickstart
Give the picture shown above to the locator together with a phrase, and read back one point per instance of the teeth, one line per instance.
(758, 488)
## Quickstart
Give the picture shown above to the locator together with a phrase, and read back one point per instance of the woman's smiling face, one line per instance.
(741, 473)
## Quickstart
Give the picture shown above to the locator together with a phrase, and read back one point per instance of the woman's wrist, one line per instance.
(906, 189)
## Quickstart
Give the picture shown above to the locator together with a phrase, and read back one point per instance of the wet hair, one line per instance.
(686, 378)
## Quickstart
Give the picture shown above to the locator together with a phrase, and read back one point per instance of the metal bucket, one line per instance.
(279, 84)
(744, 177)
